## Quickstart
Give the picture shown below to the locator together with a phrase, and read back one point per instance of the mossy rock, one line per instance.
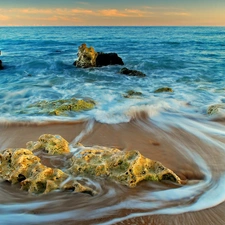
(163, 89)
(125, 167)
(131, 93)
(214, 109)
(63, 106)
(22, 166)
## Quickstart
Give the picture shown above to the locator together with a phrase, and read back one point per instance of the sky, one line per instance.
(112, 13)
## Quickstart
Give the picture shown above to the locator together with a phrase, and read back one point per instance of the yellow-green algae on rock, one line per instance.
(63, 106)
(52, 144)
(125, 167)
(22, 166)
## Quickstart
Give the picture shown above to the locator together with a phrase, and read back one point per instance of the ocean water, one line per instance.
(38, 65)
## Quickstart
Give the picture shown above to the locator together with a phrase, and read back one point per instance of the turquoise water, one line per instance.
(39, 66)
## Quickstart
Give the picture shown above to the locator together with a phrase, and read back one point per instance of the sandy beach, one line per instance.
(139, 134)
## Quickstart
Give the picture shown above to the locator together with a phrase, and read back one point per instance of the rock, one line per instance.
(52, 144)
(126, 167)
(129, 72)
(21, 166)
(63, 106)
(131, 93)
(105, 59)
(163, 89)
(88, 57)
(1, 65)
(214, 109)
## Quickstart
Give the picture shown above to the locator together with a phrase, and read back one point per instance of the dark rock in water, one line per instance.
(105, 59)
(1, 66)
(128, 72)
(163, 89)
(131, 93)
(88, 57)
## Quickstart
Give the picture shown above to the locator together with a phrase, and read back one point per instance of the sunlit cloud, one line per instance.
(143, 15)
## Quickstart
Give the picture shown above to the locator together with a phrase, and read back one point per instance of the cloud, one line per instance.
(4, 18)
(125, 13)
(177, 14)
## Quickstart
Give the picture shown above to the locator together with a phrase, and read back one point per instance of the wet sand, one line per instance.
(153, 142)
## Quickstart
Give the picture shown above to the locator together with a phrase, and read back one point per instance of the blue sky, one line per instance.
(112, 12)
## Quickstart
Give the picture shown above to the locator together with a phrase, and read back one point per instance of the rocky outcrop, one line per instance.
(52, 144)
(23, 167)
(126, 167)
(163, 89)
(63, 106)
(88, 57)
(129, 72)
(1, 65)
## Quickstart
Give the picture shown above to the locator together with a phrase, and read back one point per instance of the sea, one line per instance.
(38, 66)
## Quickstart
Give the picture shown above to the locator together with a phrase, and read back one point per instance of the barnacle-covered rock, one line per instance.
(125, 167)
(22, 166)
(63, 106)
(52, 144)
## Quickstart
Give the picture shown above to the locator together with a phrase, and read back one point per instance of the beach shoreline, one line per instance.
(140, 135)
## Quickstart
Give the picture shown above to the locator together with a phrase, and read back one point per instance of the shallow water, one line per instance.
(172, 128)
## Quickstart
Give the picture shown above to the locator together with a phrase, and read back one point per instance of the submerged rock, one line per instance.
(125, 167)
(52, 144)
(214, 109)
(22, 166)
(132, 93)
(63, 106)
(88, 57)
(164, 89)
(1, 65)
(129, 72)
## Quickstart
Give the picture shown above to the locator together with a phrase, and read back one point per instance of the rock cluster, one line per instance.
(125, 167)
(22, 166)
